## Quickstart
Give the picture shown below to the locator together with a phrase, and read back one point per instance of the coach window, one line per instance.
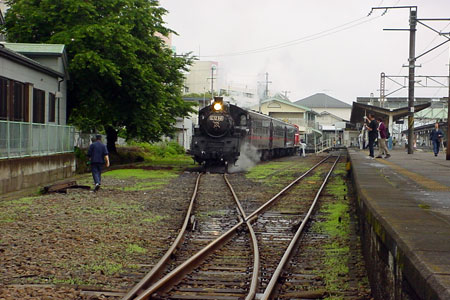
(18, 101)
(38, 106)
(3, 99)
(51, 107)
(243, 121)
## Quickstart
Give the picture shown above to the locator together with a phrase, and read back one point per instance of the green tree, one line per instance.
(122, 74)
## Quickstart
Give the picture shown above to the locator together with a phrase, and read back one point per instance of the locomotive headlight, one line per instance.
(217, 104)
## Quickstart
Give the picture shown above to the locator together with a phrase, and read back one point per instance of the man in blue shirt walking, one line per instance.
(98, 154)
(435, 136)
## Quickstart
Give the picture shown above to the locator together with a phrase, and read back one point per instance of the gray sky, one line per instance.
(344, 64)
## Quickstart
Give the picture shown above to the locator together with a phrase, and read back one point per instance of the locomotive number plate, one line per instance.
(216, 118)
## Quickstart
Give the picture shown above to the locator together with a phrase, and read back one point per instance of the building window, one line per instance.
(18, 99)
(51, 107)
(3, 99)
(38, 106)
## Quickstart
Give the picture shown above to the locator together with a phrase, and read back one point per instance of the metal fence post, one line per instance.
(48, 137)
(20, 139)
(30, 138)
(7, 139)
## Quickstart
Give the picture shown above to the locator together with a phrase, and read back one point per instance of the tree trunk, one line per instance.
(111, 136)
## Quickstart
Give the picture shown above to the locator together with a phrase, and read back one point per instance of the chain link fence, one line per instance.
(20, 139)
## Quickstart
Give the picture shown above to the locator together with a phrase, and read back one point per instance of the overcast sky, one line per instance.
(310, 58)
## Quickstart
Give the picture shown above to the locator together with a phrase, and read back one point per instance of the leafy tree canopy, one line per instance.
(122, 75)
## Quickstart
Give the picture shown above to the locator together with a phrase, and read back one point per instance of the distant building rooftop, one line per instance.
(41, 49)
(282, 99)
(321, 100)
(36, 51)
(397, 102)
(23, 60)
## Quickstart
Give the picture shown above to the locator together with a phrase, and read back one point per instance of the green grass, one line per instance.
(146, 179)
(424, 206)
(154, 218)
(262, 171)
(21, 201)
(106, 267)
(162, 154)
(133, 248)
(140, 174)
(337, 226)
(6, 217)
(71, 281)
(145, 186)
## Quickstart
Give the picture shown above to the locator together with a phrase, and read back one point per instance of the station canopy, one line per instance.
(359, 110)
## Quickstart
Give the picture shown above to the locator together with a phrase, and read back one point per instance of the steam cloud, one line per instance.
(249, 157)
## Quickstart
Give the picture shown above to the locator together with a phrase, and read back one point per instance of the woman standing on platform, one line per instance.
(382, 140)
(435, 136)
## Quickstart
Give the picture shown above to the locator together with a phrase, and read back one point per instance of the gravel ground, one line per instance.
(86, 240)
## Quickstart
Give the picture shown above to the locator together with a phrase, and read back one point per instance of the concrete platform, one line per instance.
(404, 208)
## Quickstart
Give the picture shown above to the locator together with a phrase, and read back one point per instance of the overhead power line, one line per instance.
(304, 39)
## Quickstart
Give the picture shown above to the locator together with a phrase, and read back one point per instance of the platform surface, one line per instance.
(410, 193)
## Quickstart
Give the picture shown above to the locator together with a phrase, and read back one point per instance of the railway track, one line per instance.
(228, 267)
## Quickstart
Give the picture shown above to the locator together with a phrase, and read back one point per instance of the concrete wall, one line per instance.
(21, 173)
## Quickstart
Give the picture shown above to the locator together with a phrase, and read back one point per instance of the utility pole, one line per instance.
(413, 20)
(448, 113)
(286, 93)
(213, 67)
(411, 80)
(266, 91)
(412, 59)
(382, 89)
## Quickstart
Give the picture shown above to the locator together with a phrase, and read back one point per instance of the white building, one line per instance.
(33, 105)
(32, 109)
(198, 80)
(332, 117)
(52, 56)
(321, 102)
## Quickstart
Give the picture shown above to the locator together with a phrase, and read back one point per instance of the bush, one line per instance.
(162, 149)
(81, 160)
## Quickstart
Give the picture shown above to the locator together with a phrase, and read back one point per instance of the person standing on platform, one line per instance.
(436, 136)
(373, 133)
(382, 148)
(361, 140)
(98, 154)
(302, 148)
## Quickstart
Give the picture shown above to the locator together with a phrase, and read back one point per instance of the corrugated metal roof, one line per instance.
(26, 48)
(321, 100)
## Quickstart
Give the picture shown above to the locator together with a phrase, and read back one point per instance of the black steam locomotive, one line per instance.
(225, 131)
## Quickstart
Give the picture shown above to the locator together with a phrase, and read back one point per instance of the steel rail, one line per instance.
(165, 283)
(157, 269)
(269, 202)
(256, 261)
(177, 274)
(270, 289)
